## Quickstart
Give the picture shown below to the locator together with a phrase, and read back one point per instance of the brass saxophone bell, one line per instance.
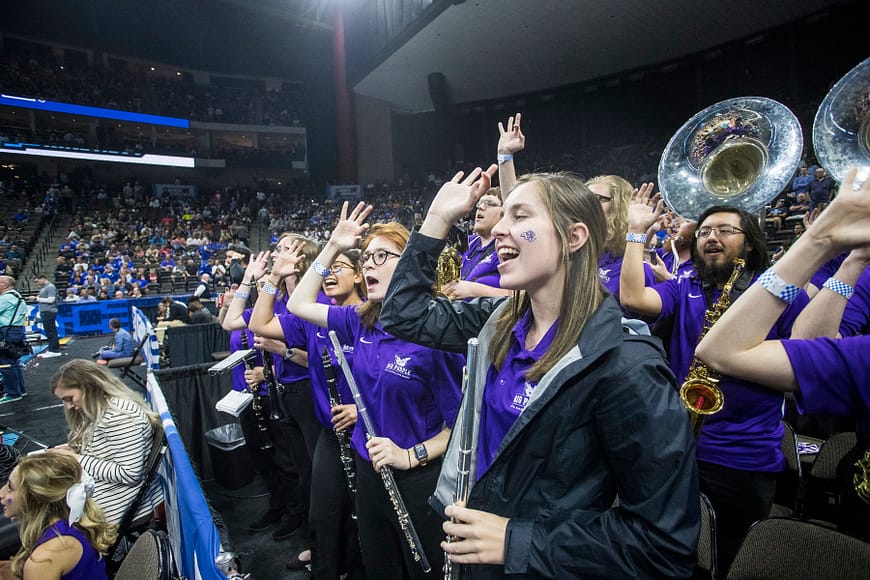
(449, 268)
(702, 397)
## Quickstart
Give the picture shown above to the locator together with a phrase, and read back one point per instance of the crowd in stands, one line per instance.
(34, 71)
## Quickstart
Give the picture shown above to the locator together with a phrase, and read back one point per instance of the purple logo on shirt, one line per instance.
(529, 236)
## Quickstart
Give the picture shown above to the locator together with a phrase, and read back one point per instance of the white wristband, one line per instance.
(635, 238)
(504, 158)
(840, 288)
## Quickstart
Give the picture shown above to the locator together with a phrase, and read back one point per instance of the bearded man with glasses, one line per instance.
(739, 453)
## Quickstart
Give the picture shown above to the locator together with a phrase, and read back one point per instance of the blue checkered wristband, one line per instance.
(269, 289)
(840, 288)
(771, 282)
(635, 238)
(320, 269)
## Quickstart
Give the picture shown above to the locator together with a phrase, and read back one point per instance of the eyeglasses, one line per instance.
(337, 267)
(486, 204)
(602, 198)
(379, 257)
(721, 231)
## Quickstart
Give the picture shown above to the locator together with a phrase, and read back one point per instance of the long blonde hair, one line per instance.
(369, 312)
(568, 201)
(617, 218)
(98, 387)
(43, 481)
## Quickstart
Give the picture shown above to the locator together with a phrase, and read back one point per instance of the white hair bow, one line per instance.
(76, 496)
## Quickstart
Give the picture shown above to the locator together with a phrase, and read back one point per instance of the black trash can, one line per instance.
(230, 459)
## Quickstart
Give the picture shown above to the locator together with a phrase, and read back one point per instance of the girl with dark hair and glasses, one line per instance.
(572, 409)
(332, 530)
(412, 394)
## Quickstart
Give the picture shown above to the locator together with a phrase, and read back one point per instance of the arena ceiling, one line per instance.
(488, 49)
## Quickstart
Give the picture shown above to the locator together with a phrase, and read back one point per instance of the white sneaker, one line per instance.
(49, 354)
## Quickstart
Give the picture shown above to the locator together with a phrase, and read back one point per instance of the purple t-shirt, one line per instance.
(480, 263)
(747, 433)
(410, 391)
(684, 269)
(507, 391)
(610, 269)
(286, 372)
(833, 376)
(301, 334)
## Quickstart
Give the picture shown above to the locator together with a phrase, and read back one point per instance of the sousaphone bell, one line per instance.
(739, 152)
(841, 130)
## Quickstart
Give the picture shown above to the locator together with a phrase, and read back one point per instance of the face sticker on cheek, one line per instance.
(529, 235)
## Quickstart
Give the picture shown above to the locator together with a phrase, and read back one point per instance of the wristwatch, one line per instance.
(421, 453)
(289, 353)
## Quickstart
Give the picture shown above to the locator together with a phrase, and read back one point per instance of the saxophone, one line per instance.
(342, 436)
(466, 447)
(257, 402)
(449, 268)
(700, 393)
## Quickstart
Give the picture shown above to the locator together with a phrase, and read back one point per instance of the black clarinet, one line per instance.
(466, 447)
(342, 436)
(274, 390)
(411, 537)
(256, 402)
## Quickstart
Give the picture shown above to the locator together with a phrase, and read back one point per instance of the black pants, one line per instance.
(49, 324)
(740, 498)
(384, 549)
(301, 429)
(332, 529)
(278, 464)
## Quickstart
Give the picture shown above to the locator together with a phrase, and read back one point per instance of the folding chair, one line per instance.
(127, 363)
(778, 548)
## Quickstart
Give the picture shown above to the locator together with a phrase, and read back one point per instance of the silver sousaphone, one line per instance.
(841, 130)
(740, 152)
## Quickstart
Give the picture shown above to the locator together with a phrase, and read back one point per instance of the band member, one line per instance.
(828, 375)
(295, 432)
(412, 394)
(479, 274)
(332, 529)
(573, 411)
(739, 448)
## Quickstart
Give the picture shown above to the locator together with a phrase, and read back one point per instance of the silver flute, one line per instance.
(342, 436)
(411, 537)
(466, 445)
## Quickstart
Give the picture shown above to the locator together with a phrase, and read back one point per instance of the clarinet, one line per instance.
(411, 537)
(274, 389)
(342, 436)
(466, 445)
(256, 402)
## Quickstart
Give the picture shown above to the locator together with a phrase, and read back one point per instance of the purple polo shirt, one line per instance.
(747, 433)
(286, 372)
(410, 391)
(480, 263)
(301, 334)
(507, 391)
(684, 269)
(238, 371)
(833, 376)
(610, 269)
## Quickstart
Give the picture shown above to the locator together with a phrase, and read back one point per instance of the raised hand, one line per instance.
(287, 262)
(350, 228)
(846, 222)
(457, 197)
(257, 267)
(511, 140)
(644, 209)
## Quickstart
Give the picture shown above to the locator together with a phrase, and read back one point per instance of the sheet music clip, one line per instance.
(230, 362)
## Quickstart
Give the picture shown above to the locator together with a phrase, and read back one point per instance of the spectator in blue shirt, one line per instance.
(122, 344)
